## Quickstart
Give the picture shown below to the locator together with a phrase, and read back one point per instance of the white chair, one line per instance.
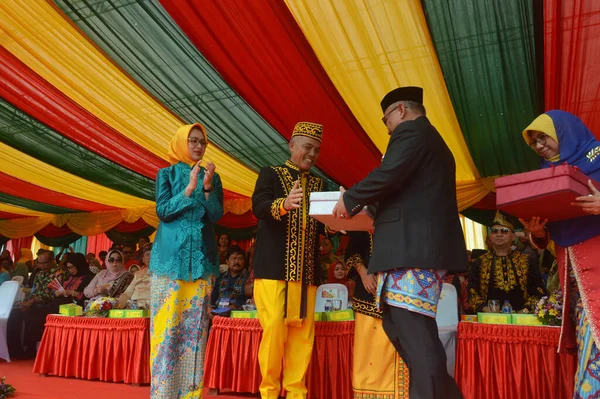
(8, 293)
(331, 292)
(447, 321)
(18, 279)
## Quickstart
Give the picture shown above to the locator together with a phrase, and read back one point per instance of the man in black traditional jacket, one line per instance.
(285, 263)
(418, 238)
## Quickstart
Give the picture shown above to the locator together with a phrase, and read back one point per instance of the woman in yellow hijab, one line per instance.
(184, 259)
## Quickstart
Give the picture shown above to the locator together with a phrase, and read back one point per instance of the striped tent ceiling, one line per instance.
(93, 90)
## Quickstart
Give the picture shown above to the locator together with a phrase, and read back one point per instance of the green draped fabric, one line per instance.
(33, 205)
(487, 51)
(57, 242)
(143, 40)
(31, 137)
(130, 238)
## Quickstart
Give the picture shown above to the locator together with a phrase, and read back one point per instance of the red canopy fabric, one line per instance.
(18, 188)
(572, 59)
(259, 49)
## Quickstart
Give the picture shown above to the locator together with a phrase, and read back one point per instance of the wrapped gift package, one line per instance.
(321, 208)
(340, 315)
(526, 320)
(244, 314)
(70, 309)
(134, 313)
(116, 313)
(494, 318)
(468, 317)
(546, 193)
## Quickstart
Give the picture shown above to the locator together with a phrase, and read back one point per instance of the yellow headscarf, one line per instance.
(544, 124)
(178, 149)
(26, 255)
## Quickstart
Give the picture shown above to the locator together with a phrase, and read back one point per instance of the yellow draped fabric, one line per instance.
(475, 233)
(17, 210)
(237, 206)
(40, 36)
(369, 47)
(29, 169)
(88, 223)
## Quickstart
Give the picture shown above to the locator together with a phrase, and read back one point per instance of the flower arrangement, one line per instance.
(549, 309)
(6, 390)
(99, 307)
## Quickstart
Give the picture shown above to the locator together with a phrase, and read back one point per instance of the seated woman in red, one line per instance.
(339, 275)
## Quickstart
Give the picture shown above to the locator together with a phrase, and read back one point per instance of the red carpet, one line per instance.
(29, 385)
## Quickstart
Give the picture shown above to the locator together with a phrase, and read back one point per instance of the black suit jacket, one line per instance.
(283, 250)
(416, 223)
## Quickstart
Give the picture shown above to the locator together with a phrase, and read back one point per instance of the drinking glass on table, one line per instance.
(494, 306)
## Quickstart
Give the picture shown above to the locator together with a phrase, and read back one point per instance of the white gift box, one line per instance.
(321, 208)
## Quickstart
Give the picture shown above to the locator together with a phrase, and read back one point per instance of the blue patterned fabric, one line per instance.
(416, 290)
(185, 243)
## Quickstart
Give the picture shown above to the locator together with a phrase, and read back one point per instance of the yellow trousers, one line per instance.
(282, 347)
(378, 371)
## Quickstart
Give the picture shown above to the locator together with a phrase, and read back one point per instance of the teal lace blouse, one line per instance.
(185, 247)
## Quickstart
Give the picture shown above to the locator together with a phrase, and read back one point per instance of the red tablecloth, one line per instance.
(96, 348)
(232, 358)
(509, 361)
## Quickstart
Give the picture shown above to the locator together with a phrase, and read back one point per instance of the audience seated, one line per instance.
(338, 275)
(112, 281)
(23, 265)
(5, 268)
(35, 305)
(504, 274)
(224, 243)
(228, 290)
(139, 289)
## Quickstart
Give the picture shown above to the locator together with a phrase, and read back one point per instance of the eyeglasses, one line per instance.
(503, 230)
(115, 260)
(196, 142)
(386, 116)
(541, 139)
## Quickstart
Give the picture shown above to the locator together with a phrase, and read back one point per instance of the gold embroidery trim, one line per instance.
(366, 307)
(276, 208)
(300, 249)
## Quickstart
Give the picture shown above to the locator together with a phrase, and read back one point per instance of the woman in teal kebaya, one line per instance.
(184, 260)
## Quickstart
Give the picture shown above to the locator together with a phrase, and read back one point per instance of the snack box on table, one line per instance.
(244, 314)
(321, 208)
(340, 315)
(526, 320)
(468, 317)
(494, 318)
(320, 316)
(128, 313)
(547, 193)
(70, 309)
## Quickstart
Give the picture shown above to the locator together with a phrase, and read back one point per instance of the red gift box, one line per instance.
(547, 193)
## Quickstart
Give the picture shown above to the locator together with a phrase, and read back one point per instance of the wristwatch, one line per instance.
(207, 190)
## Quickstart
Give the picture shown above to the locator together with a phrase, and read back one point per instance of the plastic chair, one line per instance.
(447, 321)
(8, 293)
(18, 279)
(331, 292)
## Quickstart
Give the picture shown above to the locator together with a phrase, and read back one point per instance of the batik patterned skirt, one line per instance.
(378, 370)
(179, 329)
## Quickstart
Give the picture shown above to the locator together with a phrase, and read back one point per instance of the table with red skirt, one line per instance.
(115, 350)
(511, 361)
(232, 358)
